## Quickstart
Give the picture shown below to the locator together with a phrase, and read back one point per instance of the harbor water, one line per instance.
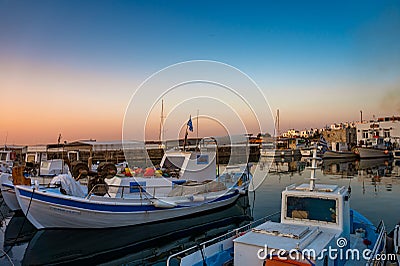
(375, 190)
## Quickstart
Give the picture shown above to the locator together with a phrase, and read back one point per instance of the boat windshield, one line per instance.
(174, 162)
(311, 209)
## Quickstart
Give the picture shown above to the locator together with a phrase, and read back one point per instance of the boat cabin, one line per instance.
(199, 166)
(7, 156)
(312, 219)
(324, 206)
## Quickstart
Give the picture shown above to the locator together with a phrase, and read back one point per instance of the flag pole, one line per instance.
(197, 130)
(184, 141)
(189, 126)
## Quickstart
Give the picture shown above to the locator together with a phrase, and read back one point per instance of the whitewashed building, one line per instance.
(387, 128)
(291, 133)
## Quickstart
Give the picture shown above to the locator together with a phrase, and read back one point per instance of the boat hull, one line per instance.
(8, 192)
(280, 153)
(372, 153)
(44, 210)
(339, 155)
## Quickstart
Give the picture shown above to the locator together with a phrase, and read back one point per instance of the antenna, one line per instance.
(5, 142)
(313, 168)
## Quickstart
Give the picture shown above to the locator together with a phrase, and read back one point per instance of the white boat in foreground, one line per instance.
(117, 202)
(49, 208)
(317, 227)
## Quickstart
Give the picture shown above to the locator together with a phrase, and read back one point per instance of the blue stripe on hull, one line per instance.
(7, 185)
(105, 207)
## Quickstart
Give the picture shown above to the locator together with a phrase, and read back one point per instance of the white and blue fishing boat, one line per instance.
(117, 202)
(317, 227)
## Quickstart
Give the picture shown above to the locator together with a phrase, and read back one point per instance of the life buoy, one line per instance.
(276, 261)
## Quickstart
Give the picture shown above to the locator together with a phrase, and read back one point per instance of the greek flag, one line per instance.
(323, 143)
(190, 124)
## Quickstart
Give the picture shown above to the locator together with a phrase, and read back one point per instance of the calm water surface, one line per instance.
(375, 192)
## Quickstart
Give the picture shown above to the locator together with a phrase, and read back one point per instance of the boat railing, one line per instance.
(143, 191)
(380, 244)
(235, 233)
(97, 187)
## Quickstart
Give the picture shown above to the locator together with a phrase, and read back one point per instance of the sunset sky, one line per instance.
(71, 67)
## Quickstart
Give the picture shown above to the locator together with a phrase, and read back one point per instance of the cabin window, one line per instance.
(31, 158)
(386, 133)
(173, 162)
(311, 209)
(202, 159)
(3, 156)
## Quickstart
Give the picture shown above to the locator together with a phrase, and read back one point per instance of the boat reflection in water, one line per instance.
(340, 167)
(376, 172)
(379, 167)
(282, 165)
(19, 230)
(144, 244)
(351, 168)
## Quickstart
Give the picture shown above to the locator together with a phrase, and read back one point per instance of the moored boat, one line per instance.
(280, 152)
(117, 202)
(8, 191)
(339, 155)
(7, 184)
(49, 208)
(178, 167)
(365, 153)
(143, 245)
(317, 227)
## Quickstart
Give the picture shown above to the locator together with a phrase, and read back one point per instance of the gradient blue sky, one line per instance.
(70, 64)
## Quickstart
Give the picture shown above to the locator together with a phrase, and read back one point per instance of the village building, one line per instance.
(386, 129)
(340, 137)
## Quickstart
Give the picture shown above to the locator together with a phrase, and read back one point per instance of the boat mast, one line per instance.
(160, 136)
(197, 130)
(5, 142)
